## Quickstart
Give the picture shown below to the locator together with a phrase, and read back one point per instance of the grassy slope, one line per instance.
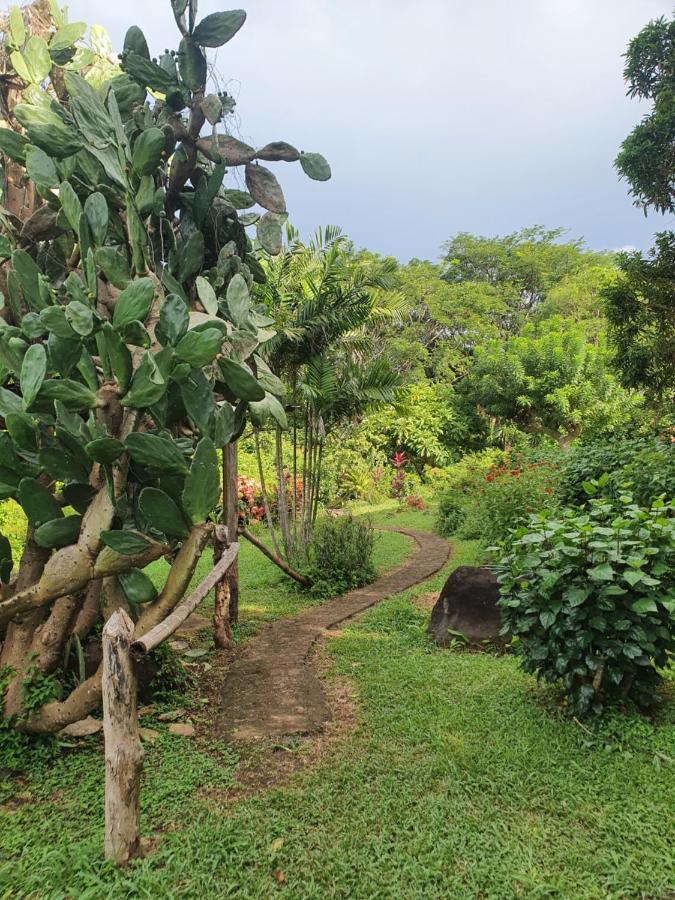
(460, 782)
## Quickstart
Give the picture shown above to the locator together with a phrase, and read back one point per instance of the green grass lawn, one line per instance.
(461, 780)
(265, 592)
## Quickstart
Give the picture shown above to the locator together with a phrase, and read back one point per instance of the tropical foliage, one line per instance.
(129, 334)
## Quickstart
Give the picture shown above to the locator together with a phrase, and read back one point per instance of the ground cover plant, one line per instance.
(544, 805)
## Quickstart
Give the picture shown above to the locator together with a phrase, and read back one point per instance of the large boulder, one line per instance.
(467, 604)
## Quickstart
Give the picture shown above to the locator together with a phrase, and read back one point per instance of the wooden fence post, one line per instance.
(123, 751)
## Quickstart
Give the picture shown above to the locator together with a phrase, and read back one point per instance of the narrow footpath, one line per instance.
(271, 691)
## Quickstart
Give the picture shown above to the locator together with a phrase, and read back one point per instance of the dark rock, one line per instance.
(467, 604)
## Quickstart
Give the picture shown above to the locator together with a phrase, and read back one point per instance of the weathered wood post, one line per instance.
(123, 751)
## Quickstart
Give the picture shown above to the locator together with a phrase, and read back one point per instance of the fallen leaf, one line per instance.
(276, 845)
(196, 653)
(82, 728)
(182, 728)
(280, 877)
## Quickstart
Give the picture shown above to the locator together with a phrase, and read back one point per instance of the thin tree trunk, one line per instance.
(282, 499)
(123, 751)
(226, 607)
(318, 482)
(277, 560)
(266, 502)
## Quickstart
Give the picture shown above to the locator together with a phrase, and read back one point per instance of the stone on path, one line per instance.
(467, 604)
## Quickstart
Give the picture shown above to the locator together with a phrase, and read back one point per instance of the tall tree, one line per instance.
(641, 304)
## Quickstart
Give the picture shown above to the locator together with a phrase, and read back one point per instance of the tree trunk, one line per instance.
(282, 499)
(123, 751)
(230, 477)
(277, 560)
(263, 488)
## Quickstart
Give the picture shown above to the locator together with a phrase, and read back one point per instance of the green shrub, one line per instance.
(459, 482)
(590, 595)
(341, 556)
(508, 493)
(643, 464)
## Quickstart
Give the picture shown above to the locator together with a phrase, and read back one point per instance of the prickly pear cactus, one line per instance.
(128, 336)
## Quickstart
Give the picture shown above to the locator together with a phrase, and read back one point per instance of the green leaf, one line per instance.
(54, 319)
(644, 605)
(191, 256)
(135, 333)
(96, 211)
(104, 450)
(137, 587)
(133, 303)
(270, 232)
(135, 41)
(162, 513)
(157, 454)
(603, 572)
(126, 543)
(174, 318)
(238, 300)
(148, 150)
(118, 356)
(46, 129)
(148, 73)
(575, 596)
(80, 317)
(115, 266)
(37, 59)
(9, 403)
(17, 29)
(33, 371)
(191, 64)
(70, 203)
(218, 28)
(14, 145)
(41, 168)
(21, 429)
(72, 394)
(268, 379)
(198, 349)
(148, 385)
(202, 485)
(269, 407)
(207, 295)
(315, 166)
(264, 188)
(197, 396)
(63, 353)
(67, 36)
(240, 381)
(632, 576)
(61, 464)
(28, 273)
(59, 532)
(239, 199)
(37, 502)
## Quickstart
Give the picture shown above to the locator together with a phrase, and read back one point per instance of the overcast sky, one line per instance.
(437, 116)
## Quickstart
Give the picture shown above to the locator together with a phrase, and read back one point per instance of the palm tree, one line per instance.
(326, 303)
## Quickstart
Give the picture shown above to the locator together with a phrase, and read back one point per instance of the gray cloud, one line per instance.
(437, 116)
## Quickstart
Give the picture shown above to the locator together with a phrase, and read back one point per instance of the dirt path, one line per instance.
(272, 691)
